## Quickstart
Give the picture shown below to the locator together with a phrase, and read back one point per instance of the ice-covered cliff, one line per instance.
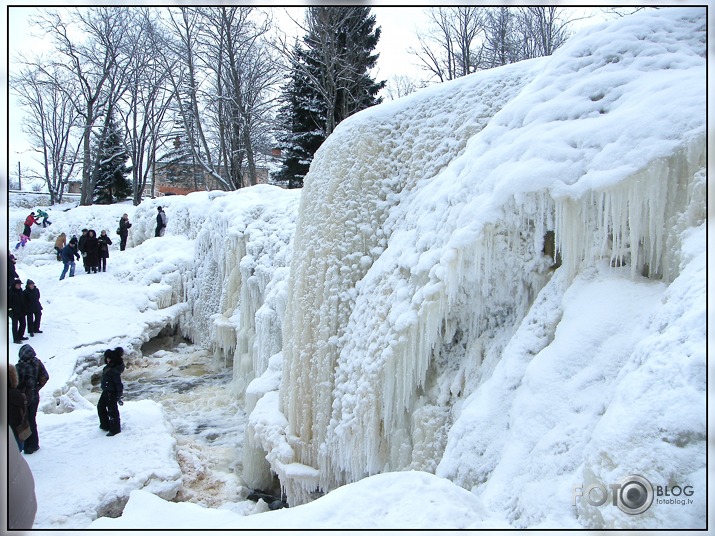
(501, 280)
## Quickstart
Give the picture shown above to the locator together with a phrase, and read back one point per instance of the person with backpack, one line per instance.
(32, 376)
(60, 243)
(33, 307)
(112, 391)
(161, 221)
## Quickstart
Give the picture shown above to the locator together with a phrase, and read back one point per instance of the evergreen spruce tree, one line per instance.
(330, 81)
(110, 169)
(301, 123)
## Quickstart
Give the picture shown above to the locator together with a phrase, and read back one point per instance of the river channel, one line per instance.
(194, 388)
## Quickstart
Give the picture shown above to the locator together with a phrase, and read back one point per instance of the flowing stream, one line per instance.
(195, 390)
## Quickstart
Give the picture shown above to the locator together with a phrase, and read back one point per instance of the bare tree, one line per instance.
(501, 42)
(544, 29)
(451, 47)
(97, 64)
(50, 124)
(186, 79)
(146, 102)
(401, 85)
(244, 74)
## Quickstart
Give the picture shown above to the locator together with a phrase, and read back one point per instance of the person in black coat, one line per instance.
(91, 247)
(161, 220)
(112, 391)
(33, 307)
(81, 246)
(124, 226)
(11, 272)
(17, 311)
(104, 243)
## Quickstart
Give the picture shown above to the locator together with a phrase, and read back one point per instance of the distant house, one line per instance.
(179, 178)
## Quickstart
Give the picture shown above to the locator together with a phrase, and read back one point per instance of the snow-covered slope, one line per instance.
(427, 324)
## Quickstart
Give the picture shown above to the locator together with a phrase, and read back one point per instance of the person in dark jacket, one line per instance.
(83, 248)
(91, 247)
(104, 243)
(11, 271)
(33, 307)
(68, 254)
(32, 376)
(17, 311)
(16, 404)
(112, 391)
(124, 226)
(161, 220)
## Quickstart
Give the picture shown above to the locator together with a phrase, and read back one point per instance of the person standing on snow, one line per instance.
(11, 271)
(68, 254)
(83, 248)
(123, 231)
(33, 307)
(16, 406)
(104, 243)
(17, 311)
(112, 391)
(91, 247)
(32, 376)
(161, 221)
(60, 243)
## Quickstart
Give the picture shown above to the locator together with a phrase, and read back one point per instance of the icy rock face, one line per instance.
(419, 254)
(233, 290)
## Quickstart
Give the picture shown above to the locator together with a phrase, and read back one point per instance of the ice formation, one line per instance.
(441, 239)
(433, 298)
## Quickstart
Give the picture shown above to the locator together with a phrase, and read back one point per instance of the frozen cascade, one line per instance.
(418, 236)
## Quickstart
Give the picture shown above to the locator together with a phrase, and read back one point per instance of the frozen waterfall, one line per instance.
(436, 231)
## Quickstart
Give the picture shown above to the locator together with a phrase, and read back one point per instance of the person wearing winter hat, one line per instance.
(68, 254)
(112, 391)
(33, 307)
(17, 311)
(32, 376)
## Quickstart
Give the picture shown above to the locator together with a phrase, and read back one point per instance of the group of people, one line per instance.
(32, 219)
(24, 307)
(29, 376)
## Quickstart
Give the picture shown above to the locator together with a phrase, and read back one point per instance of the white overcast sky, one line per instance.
(399, 26)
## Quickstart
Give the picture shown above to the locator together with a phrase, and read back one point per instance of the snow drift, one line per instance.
(442, 305)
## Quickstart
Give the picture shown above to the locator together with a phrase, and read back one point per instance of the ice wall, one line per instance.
(423, 224)
(234, 290)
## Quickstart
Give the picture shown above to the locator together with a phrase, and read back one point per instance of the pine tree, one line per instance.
(110, 169)
(301, 119)
(330, 81)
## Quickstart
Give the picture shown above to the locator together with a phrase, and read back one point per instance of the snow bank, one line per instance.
(408, 500)
(108, 468)
(429, 226)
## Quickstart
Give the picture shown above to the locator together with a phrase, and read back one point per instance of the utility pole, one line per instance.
(19, 177)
